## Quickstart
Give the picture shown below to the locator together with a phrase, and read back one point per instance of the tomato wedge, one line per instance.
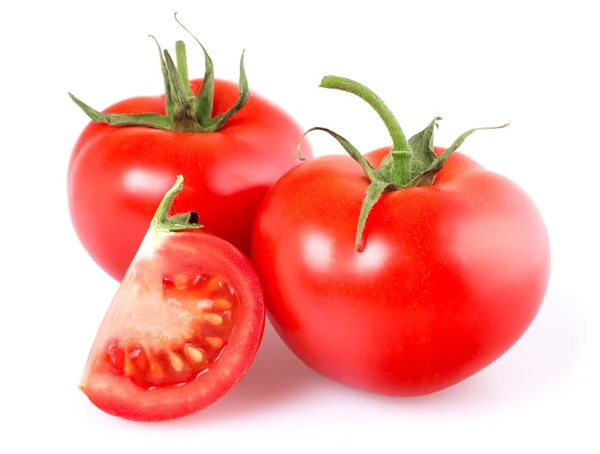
(183, 327)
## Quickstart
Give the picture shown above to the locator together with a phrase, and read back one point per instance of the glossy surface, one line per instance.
(182, 329)
(118, 175)
(451, 275)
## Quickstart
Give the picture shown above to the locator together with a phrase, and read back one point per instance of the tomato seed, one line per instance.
(213, 319)
(176, 362)
(155, 373)
(214, 284)
(116, 355)
(181, 281)
(221, 304)
(194, 354)
(196, 280)
(215, 342)
(205, 303)
(128, 367)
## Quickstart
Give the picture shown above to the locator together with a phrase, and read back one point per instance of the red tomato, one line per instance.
(183, 328)
(118, 174)
(451, 274)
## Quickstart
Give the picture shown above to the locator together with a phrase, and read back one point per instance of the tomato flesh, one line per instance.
(181, 331)
(212, 304)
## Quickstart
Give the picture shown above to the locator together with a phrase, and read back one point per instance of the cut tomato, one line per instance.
(183, 327)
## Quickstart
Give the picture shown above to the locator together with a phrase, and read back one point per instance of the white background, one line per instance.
(473, 63)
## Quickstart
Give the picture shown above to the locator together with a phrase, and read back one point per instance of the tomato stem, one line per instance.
(358, 89)
(163, 222)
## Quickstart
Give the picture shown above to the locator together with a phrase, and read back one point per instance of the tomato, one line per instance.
(444, 278)
(119, 171)
(182, 329)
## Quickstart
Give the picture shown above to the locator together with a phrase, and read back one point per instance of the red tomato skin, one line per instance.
(118, 175)
(117, 394)
(450, 278)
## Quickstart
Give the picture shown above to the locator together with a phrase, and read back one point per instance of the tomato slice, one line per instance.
(181, 331)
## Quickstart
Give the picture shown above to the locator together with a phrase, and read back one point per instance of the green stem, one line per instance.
(162, 221)
(358, 89)
(401, 167)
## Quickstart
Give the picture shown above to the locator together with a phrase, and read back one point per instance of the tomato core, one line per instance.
(150, 361)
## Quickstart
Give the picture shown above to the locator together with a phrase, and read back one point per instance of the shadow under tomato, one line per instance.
(275, 378)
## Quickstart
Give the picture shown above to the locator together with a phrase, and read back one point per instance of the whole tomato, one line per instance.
(405, 274)
(230, 144)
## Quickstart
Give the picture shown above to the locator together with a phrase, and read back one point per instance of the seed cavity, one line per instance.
(205, 305)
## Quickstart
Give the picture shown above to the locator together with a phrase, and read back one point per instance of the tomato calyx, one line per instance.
(184, 111)
(410, 163)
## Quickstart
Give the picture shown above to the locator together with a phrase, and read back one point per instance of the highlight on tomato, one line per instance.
(183, 327)
(403, 271)
(230, 143)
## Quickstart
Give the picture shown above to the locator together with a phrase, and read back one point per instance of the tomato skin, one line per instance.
(116, 394)
(450, 277)
(118, 175)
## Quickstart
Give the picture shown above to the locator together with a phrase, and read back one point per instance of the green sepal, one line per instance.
(350, 149)
(427, 177)
(422, 146)
(244, 95)
(374, 192)
(152, 120)
(203, 102)
(182, 68)
(169, 104)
